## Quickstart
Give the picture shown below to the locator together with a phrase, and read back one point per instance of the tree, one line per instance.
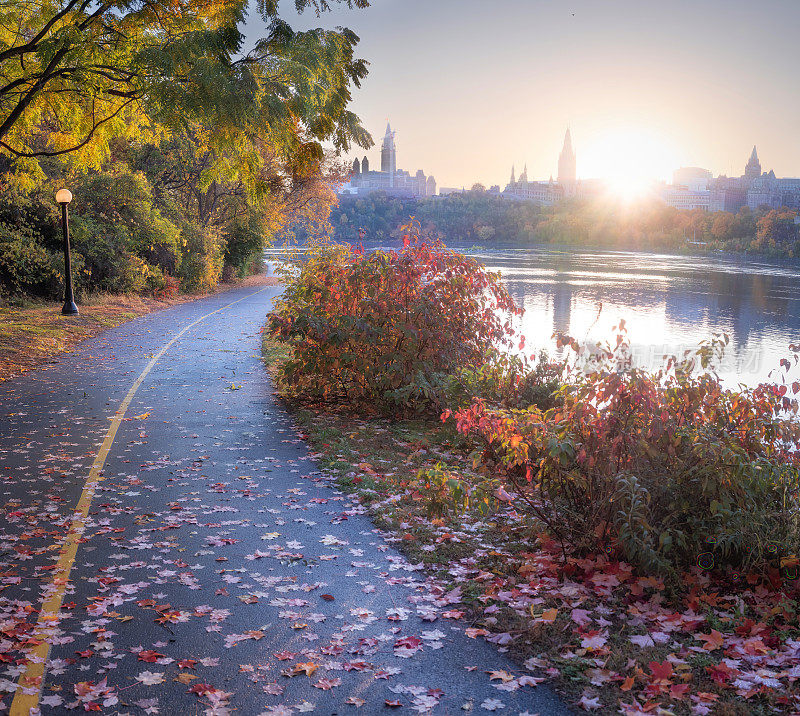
(722, 228)
(776, 230)
(75, 73)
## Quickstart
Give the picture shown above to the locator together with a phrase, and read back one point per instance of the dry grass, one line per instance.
(35, 334)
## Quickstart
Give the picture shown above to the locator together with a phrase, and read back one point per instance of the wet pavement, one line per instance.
(216, 570)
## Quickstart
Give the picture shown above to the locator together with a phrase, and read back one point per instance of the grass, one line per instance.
(34, 334)
(379, 458)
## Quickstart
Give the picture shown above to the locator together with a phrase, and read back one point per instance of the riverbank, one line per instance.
(478, 217)
(610, 639)
(35, 334)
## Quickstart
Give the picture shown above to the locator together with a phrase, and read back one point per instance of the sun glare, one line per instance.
(629, 160)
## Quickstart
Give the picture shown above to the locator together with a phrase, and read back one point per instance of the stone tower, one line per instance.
(356, 167)
(365, 166)
(753, 168)
(430, 188)
(566, 162)
(389, 152)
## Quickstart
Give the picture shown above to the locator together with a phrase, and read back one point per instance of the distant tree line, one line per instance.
(476, 217)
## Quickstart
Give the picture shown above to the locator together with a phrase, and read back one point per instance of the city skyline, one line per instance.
(708, 78)
(624, 183)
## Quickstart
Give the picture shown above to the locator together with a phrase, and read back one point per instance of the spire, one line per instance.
(566, 162)
(513, 175)
(568, 143)
(389, 154)
(753, 168)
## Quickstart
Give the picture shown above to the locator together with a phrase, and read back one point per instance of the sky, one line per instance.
(474, 86)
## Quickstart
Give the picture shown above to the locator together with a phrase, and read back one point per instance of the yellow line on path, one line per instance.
(31, 681)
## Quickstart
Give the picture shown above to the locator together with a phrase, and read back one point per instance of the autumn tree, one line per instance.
(75, 73)
(776, 229)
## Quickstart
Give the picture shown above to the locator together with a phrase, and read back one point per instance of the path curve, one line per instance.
(212, 555)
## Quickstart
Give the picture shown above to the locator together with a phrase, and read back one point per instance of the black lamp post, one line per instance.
(64, 197)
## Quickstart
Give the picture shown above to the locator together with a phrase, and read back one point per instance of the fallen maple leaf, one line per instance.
(547, 617)
(590, 703)
(661, 671)
(149, 678)
(150, 656)
(307, 668)
(503, 676)
(327, 684)
(713, 641)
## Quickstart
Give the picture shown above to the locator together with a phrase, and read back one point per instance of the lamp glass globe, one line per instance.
(63, 196)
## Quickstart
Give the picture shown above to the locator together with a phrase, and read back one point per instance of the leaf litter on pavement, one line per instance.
(191, 563)
(617, 641)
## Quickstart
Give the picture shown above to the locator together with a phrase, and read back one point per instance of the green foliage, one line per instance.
(203, 258)
(244, 243)
(26, 267)
(472, 218)
(119, 204)
(481, 218)
(446, 493)
(229, 143)
(661, 468)
(384, 327)
(506, 380)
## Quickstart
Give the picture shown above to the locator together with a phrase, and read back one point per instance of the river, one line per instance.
(669, 303)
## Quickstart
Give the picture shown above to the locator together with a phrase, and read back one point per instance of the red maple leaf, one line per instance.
(661, 671)
(720, 673)
(150, 656)
(410, 642)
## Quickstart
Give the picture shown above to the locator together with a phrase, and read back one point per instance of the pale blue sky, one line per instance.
(471, 86)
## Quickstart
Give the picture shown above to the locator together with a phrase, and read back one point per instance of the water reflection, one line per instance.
(669, 303)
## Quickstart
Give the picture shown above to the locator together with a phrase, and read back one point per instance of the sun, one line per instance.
(630, 160)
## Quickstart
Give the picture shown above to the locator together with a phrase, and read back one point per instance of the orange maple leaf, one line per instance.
(713, 641)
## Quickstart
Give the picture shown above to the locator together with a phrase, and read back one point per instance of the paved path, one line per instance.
(206, 554)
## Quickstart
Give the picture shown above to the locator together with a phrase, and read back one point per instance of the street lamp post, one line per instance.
(64, 197)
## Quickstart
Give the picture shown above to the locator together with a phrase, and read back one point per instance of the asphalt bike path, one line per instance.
(169, 546)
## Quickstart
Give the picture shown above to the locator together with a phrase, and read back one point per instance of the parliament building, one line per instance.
(550, 192)
(389, 179)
